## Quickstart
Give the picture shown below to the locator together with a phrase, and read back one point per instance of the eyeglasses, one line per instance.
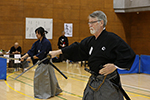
(94, 22)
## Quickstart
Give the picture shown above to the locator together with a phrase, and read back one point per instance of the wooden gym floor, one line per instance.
(136, 85)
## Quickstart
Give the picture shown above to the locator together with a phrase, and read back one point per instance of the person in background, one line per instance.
(62, 43)
(16, 49)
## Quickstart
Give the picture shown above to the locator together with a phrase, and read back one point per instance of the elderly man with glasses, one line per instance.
(105, 52)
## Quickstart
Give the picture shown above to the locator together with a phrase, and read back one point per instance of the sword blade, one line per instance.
(32, 66)
(9, 58)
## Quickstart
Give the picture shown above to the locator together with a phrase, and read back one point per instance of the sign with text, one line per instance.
(33, 23)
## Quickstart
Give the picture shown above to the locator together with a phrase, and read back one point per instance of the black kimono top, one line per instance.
(13, 49)
(107, 48)
(40, 49)
(62, 40)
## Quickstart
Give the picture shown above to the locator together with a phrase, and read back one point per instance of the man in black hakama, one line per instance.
(105, 52)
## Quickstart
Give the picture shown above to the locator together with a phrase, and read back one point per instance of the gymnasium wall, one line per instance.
(14, 12)
(140, 32)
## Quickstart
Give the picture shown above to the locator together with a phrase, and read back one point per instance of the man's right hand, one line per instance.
(21, 59)
(55, 53)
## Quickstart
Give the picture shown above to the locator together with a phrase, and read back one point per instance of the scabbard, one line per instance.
(59, 71)
(119, 87)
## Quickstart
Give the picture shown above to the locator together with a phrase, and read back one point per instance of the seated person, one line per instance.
(16, 49)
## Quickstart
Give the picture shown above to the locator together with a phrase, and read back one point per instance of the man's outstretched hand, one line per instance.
(55, 53)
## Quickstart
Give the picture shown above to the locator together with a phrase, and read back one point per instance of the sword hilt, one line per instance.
(24, 59)
(49, 56)
(91, 72)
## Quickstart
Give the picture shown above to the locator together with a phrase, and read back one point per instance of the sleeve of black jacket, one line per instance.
(76, 51)
(125, 55)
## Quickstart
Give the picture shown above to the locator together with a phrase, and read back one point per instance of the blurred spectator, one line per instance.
(62, 42)
(16, 49)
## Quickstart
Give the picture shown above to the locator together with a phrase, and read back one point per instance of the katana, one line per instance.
(24, 63)
(32, 66)
(48, 57)
(10, 58)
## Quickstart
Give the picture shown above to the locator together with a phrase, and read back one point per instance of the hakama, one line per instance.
(101, 88)
(45, 82)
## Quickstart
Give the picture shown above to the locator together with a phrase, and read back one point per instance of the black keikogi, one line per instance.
(107, 48)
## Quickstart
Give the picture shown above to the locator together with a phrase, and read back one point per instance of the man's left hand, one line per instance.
(108, 68)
